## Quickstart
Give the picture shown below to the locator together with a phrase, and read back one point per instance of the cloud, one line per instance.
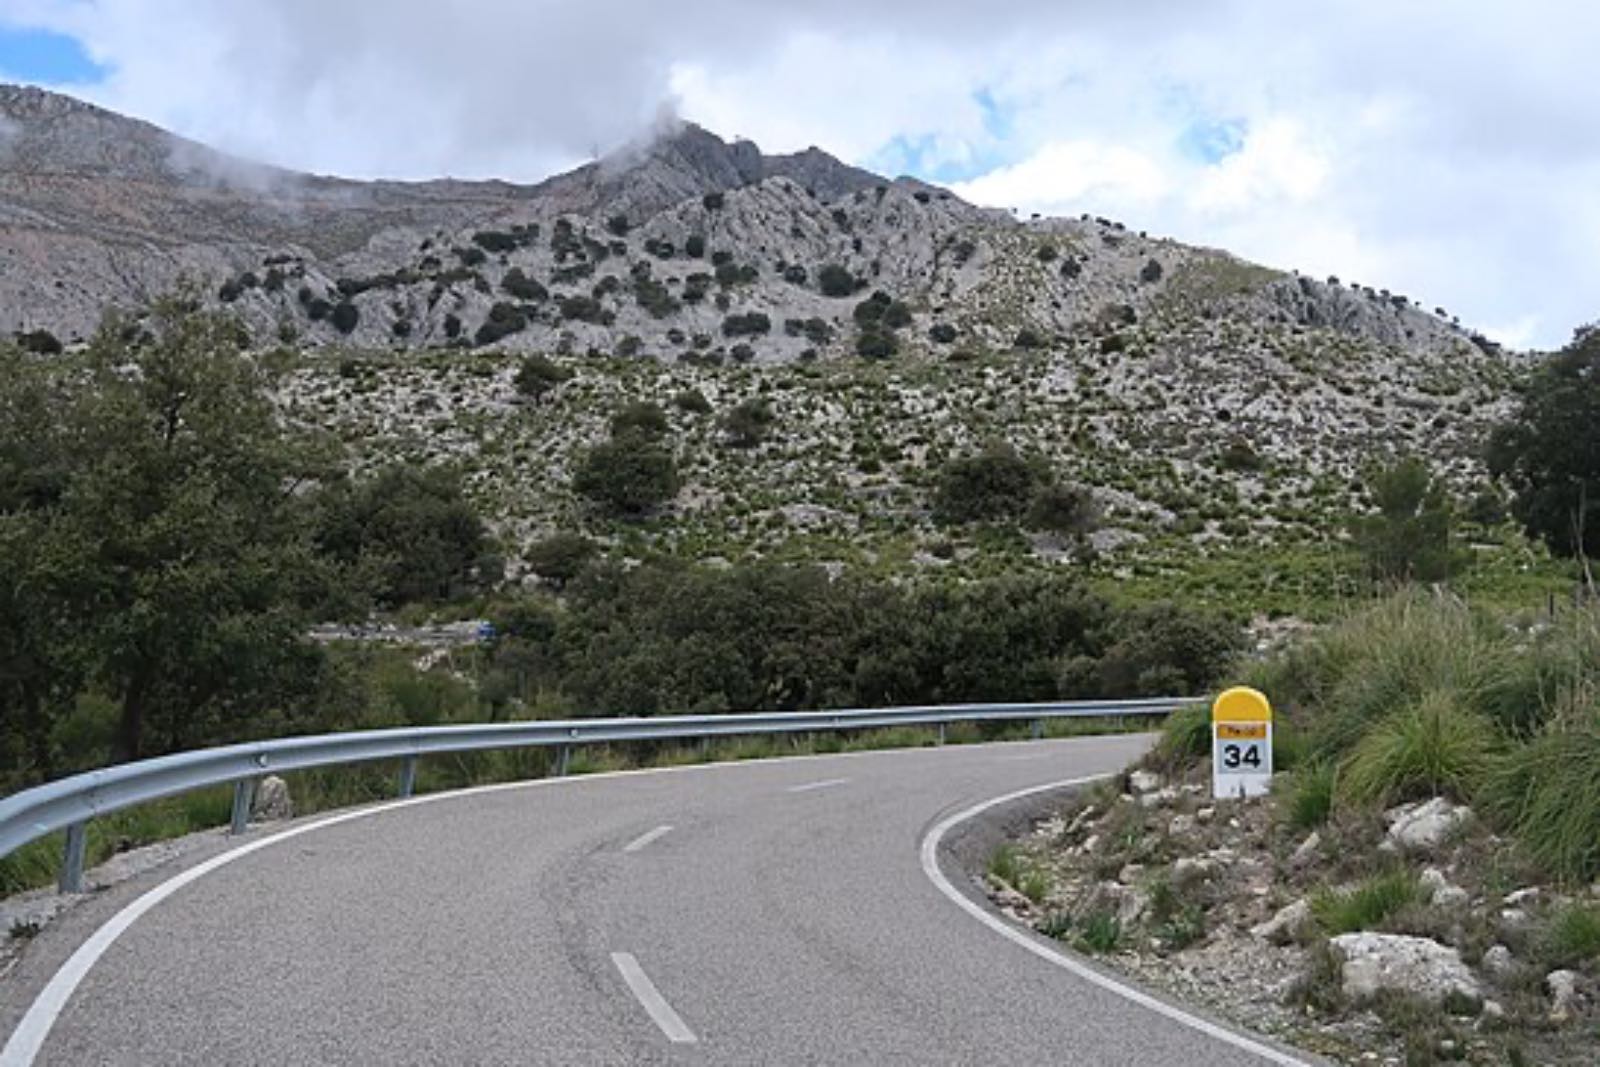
(1448, 152)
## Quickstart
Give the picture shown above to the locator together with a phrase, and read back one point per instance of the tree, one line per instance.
(640, 417)
(539, 375)
(1549, 452)
(412, 530)
(995, 484)
(627, 476)
(748, 424)
(835, 280)
(561, 557)
(1063, 509)
(1407, 538)
(180, 532)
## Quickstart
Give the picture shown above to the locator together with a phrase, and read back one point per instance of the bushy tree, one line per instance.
(413, 530)
(1549, 451)
(835, 280)
(539, 375)
(1063, 509)
(640, 417)
(996, 484)
(148, 535)
(627, 476)
(1407, 537)
(748, 424)
(560, 558)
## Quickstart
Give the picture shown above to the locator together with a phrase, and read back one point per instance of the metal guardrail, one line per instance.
(71, 802)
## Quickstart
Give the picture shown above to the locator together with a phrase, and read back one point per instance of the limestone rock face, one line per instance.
(1376, 963)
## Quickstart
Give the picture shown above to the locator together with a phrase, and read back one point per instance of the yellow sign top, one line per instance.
(1241, 704)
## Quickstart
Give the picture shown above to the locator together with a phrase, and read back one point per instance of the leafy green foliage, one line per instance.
(1408, 539)
(1367, 905)
(503, 321)
(1435, 746)
(1550, 453)
(1063, 509)
(539, 375)
(147, 541)
(836, 281)
(561, 557)
(628, 477)
(748, 424)
(1572, 937)
(640, 417)
(517, 283)
(751, 324)
(994, 485)
(413, 528)
(1311, 792)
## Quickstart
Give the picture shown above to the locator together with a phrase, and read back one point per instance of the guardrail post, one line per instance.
(408, 776)
(941, 733)
(1038, 729)
(563, 759)
(72, 862)
(244, 794)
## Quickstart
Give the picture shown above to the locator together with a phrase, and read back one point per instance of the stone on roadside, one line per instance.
(1287, 925)
(1144, 781)
(1164, 795)
(1422, 827)
(1181, 825)
(1442, 892)
(1307, 852)
(1372, 964)
(1498, 962)
(1563, 988)
(272, 801)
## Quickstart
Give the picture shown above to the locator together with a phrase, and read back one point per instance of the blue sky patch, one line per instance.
(930, 158)
(1211, 142)
(41, 56)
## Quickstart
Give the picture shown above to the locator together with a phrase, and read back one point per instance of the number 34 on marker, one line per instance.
(1241, 744)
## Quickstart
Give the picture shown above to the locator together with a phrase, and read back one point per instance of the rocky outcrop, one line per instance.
(1424, 827)
(1371, 964)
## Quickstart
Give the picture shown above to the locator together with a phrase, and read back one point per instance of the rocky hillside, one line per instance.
(885, 327)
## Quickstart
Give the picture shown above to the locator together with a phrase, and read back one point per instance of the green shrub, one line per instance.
(560, 557)
(1100, 932)
(692, 401)
(942, 333)
(1167, 649)
(1186, 736)
(1367, 905)
(1063, 509)
(1548, 792)
(519, 285)
(753, 324)
(503, 321)
(1311, 791)
(40, 342)
(995, 484)
(875, 344)
(836, 281)
(640, 417)
(1572, 937)
(538, 375)
(1437, 746)
(1407, 537)
(748, 424)
(628, 477)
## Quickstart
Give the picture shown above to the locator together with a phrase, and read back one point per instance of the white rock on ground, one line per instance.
(272, 800)
(1144, 781)
(1287, 925)
(1376, 963)
(1307, 852)
(1498, 962)
(1424, 826)
(1443, 892)
(1563, 988)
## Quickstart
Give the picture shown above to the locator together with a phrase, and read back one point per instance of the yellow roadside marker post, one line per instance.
(1241, 744)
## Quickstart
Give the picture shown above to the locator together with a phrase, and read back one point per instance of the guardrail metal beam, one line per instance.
(71, 802)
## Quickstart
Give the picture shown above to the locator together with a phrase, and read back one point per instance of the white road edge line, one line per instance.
(930, 867)
(809, 786)
(650, 998)
(646, 838)
(23, 1046)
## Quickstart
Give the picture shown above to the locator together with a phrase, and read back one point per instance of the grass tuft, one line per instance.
(1437, 746)
(1367, 905)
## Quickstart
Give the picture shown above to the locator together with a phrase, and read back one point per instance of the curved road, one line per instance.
(786, 916)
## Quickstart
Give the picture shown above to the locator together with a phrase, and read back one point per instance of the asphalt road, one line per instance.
(785, 917)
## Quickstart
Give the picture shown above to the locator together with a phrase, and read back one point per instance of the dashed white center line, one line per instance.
(809, 786)
(644, 839)
(646, 993)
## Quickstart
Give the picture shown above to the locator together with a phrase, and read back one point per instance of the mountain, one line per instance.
(1213, 406)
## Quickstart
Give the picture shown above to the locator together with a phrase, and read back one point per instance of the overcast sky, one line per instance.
(1446, 150)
